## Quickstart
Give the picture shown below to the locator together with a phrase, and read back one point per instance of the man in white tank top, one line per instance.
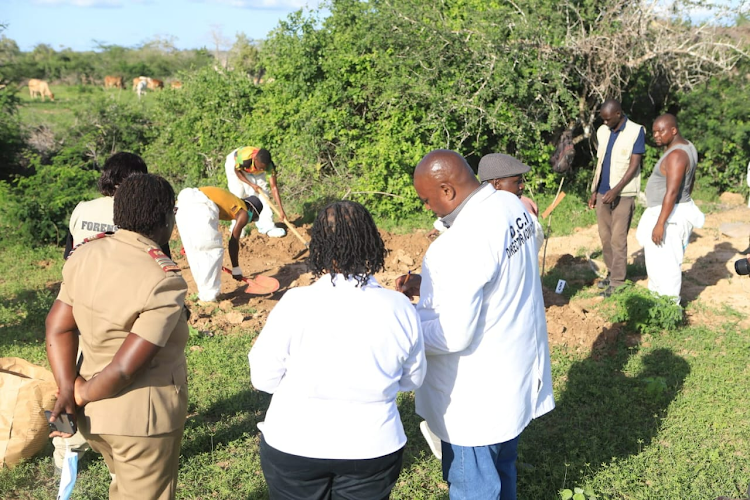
(666, 225)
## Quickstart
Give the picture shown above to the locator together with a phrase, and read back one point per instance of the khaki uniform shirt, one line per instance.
(117, 285)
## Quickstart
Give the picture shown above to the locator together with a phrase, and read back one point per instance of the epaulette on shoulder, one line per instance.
(86, 240)
(167, 264)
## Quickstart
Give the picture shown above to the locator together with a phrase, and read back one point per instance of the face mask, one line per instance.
(69, 473)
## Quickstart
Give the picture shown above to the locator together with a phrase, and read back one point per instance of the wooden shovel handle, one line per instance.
(291, 227)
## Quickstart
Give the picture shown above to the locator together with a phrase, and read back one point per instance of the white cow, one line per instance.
(140, 88)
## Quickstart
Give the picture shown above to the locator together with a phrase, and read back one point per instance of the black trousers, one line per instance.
(291, 477)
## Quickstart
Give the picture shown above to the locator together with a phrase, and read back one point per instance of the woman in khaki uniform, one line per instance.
(127, 299)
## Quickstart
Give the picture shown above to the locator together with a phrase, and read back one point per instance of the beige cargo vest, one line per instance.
(619, 161)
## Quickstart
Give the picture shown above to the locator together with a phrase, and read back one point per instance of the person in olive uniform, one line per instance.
(127, 299)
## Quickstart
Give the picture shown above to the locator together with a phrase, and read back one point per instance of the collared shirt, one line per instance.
(484, 327)
(451, 217)
(334, 356)
(639, 148)
(117, 285)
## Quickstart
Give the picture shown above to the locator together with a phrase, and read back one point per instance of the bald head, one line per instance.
(667, 120)
(666, 132)
(443, 179)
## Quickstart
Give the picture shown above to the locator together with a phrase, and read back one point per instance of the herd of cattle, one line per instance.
(140, 84)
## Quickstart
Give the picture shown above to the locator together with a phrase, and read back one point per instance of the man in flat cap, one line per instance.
(485, 333)
(505, 173)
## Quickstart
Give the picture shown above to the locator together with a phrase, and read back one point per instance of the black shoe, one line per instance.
(607, 292)
(603, 284)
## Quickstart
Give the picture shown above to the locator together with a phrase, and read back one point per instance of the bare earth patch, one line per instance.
(709, 279)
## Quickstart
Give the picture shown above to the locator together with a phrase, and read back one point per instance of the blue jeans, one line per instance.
(481, 472)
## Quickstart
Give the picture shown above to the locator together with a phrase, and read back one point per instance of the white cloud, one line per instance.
(81, 3)
(269, 4)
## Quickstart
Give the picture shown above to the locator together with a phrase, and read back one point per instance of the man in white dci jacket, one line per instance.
(485, 332)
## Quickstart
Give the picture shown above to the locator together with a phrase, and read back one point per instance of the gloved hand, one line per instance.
(237, 273)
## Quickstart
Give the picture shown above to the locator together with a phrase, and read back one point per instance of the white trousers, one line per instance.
(664, 262)
(198, 223)
(242, 190)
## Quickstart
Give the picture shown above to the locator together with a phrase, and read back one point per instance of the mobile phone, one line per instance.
(64, 423)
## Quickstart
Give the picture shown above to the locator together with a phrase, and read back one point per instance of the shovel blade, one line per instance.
(262, 285)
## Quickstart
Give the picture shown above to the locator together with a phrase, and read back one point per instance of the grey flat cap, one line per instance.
(499, 165)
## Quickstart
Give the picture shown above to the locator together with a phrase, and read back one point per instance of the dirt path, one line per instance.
(709, 277)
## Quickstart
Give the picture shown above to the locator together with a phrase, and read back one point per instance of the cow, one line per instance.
(40, 88)
(154, 84)
(176, 85)
(137, 80)
(115, 82)
(141, 87)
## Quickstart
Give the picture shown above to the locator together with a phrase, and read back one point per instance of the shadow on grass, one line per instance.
(602, 415)
(576, 272)
(22, 317)
(241, 412)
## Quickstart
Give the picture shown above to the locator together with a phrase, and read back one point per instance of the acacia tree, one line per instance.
(648, 37)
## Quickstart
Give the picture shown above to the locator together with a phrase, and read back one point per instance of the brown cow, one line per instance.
(115, 82)
(40, 88)
(176, 85)
(154, 84)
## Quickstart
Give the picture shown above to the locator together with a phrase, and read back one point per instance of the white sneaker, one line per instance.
(432, 440)
(276, 232)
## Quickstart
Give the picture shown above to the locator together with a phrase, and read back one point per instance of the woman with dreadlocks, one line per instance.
(334, 355)
(126, 298)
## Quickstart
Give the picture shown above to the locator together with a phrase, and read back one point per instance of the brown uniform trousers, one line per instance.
(614, 222)
(117, 285)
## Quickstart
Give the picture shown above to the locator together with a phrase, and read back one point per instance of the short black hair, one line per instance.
(264, 156)
(143, 203)
(117, 168)
(346, 240)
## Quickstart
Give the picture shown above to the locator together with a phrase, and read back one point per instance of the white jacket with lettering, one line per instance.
(485, 332)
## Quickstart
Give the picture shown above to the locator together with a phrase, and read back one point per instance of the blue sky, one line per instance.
(76, 23)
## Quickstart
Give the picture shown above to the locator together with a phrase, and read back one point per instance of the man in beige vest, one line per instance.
(617, 181)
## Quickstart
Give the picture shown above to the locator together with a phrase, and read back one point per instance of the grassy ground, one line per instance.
(660, 418)
(58, 115)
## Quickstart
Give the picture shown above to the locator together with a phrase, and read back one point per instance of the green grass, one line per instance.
(59, 115)
(572, 212)
(651, 416)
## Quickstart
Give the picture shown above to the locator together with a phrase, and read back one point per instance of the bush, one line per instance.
(12, 138)
(109, 124)
(196, 127)
(643, 310)
(35, 210)
(716, 118)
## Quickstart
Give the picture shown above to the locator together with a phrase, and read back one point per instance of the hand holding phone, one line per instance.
(64, 423)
